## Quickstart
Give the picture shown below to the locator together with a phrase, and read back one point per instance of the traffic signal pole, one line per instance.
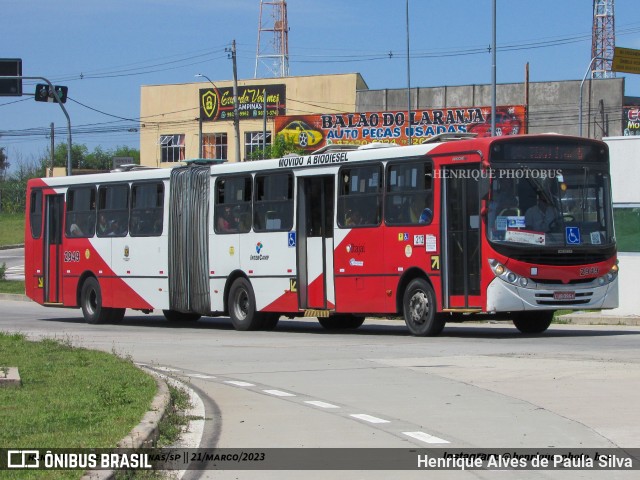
(59, 102)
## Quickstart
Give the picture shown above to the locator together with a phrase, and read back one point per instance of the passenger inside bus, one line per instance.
(504, 202)
(353, 218)
(226, 222)
(103, 226)
(75, 231)
(420, 211)
(541, 216)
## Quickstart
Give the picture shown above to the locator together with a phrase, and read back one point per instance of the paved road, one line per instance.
(478, 385)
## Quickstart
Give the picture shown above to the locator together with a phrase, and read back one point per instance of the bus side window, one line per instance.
(147, 203)
(360, 196)
(35, 213)
(80, 221)
(273, 202)
(409, 199)
(113, 210)
(232, 207)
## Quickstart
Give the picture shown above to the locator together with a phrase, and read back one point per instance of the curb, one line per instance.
(145, 434)
(9, 247)
(591, 319)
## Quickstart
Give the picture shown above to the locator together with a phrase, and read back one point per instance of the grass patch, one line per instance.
(174, 420)
(11, 286)
(70, 398)
(11, 228)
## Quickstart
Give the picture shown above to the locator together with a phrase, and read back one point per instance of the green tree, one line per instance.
(98, 159)
(124, 151)
(78, 155)
(82, 158)
(279, 148)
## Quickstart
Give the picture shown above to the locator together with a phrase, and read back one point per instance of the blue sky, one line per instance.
(105, 50)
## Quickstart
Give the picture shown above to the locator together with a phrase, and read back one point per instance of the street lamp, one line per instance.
(581, 85)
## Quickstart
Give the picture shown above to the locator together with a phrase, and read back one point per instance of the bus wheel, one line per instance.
(91, 303)
(533, 322)
(242, 306)
(341, 322)
(174, 316)
(419, 309)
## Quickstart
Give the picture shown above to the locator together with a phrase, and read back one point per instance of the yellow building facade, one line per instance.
(196, 120)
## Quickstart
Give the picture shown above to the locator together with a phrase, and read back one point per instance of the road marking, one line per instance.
(368, 418)
(239, 384)
(279, 393)
(320, 404)
(167, 369)
(425, 437)
(199, 375)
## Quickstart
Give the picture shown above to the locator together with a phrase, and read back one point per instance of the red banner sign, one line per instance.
(314, 131)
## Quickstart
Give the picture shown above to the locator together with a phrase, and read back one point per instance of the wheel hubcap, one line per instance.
(242, 305)
(418, 307)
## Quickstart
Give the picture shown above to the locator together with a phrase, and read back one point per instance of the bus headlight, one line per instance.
(507, 275)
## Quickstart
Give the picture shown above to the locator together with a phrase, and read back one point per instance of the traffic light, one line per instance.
(45, 94)
(10, 67)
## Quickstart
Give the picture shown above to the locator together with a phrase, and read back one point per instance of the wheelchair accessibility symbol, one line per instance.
(572, 235)
(292, 239)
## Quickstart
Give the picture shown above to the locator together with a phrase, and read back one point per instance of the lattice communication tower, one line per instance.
(272, 55)
(603, 39)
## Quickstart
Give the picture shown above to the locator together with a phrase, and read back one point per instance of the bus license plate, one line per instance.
(564, 295)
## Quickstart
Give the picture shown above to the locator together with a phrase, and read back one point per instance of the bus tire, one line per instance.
(175, 316)
(533, 321)
(419, 309)
(341, 322)
(91, 303)
(242, 306)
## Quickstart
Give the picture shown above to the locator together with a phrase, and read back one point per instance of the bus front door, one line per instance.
(52, 275)
(461, 240)
(315, 243)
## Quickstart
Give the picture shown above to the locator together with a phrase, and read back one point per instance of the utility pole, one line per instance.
(236, 107)
(53, 146)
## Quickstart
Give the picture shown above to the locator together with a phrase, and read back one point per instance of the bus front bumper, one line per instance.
(503, 296)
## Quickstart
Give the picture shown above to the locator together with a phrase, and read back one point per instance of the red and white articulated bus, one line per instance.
(505, 227)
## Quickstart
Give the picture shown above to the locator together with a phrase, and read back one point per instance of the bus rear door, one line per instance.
(52, 275)
(315, 243)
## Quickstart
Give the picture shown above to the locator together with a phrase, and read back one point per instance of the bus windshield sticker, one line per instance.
(525, 237)
(572, 235)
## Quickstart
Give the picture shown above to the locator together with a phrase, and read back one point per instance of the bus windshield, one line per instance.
(568, 207)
